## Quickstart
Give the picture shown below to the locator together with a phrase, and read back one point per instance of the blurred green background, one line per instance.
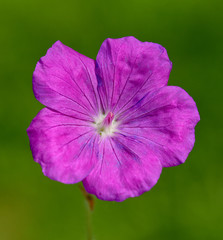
(187, 202)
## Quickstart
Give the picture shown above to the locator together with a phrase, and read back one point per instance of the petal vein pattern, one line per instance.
(168, 119)
(112, 123)
(120, 172)
(135, 68)
(65, 154)
(62, 81)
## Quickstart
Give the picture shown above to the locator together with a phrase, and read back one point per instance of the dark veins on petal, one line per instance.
(72, 77)
(126, 149)
(81, 135)
(125, 87)
(84, 147)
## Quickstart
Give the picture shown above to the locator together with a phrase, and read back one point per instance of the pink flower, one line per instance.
(112, 123)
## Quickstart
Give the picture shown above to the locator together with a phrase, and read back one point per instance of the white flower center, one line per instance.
(105, 124)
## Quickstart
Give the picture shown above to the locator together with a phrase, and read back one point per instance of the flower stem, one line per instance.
(89, 202)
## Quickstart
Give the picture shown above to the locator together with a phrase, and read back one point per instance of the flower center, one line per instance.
(105, 124)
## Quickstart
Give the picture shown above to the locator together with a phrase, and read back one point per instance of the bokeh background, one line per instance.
(187, 202)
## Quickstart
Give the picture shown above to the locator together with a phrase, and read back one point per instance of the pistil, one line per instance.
(106, 125)
(108, 119)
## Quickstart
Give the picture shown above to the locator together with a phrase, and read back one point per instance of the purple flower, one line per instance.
(112, 123)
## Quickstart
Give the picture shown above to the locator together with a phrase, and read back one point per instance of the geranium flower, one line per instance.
(112, 123)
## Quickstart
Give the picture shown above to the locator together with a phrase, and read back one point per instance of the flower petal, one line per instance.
(165, 119)
(62, 145)
(127, 69)
(126, 168)
(65, 80)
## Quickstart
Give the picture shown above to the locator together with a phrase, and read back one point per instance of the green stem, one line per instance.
(89, 222)
(89, 202)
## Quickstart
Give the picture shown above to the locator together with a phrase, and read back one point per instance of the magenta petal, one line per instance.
(112, 123)
(65, 80)
(166, 120)
(126, 168)
(127, 69)
(62, 145)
